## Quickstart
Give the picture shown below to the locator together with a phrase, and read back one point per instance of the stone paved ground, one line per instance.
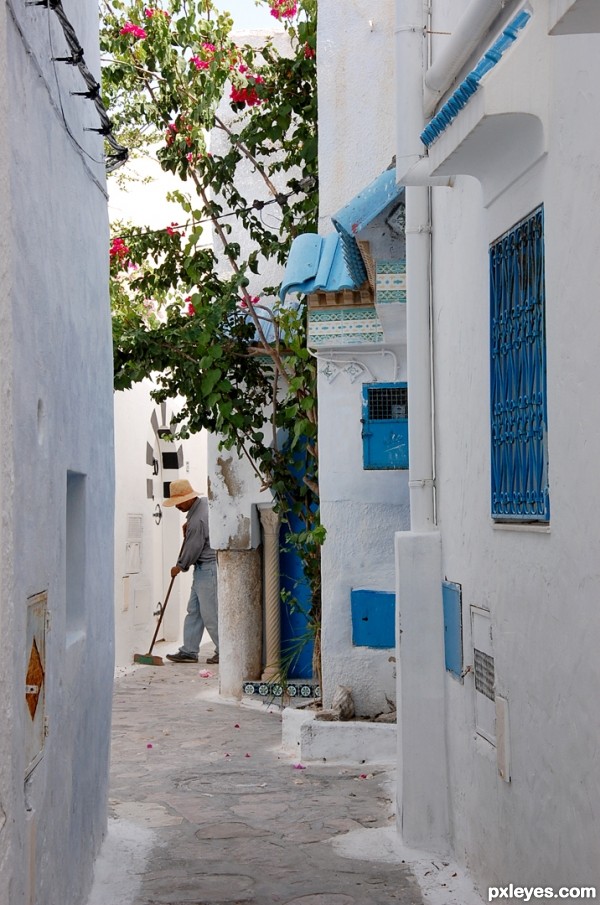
(206, 809)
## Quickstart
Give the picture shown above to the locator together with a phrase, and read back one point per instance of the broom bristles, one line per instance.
(148, 659)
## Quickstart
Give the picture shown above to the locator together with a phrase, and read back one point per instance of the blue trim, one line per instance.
(384, 426)
(470, 84)
(453, 640)
(316, 264)
(373, 618)
(518, 408)
(361, 211)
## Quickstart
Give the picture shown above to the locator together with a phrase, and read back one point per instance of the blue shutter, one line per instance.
(453, 643)
(519, 453)
(385, 425)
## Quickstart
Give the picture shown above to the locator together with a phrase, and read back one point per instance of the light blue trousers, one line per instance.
(202, 608)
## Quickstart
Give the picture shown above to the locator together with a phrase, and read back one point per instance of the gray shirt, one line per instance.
(196, 547)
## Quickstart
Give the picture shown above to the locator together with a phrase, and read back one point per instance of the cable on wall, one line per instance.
(119, 153)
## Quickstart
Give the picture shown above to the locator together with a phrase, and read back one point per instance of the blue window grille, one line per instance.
(385, 425)
(519, 467)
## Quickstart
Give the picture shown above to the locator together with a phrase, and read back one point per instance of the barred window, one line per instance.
(519, 448)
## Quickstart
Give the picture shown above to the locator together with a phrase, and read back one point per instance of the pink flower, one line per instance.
(283, 9)
(118, 249)
(309, 53)
(199, 63)
(210, 47)
(253, 299)
(136, 30)
(190, 310)
(247, 95)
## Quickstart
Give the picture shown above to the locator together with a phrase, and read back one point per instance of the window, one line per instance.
(385, 425)
(519, 451)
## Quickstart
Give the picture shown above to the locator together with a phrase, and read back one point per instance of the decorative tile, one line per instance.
(299, 688)
(390, 282)
(344, 326)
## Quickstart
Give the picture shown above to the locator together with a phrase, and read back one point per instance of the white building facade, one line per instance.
(56, 468)
(497, 579)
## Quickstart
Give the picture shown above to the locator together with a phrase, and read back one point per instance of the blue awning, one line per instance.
(361, 211)
(316, 264)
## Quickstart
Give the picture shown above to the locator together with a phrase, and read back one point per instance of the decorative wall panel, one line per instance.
(343, 326)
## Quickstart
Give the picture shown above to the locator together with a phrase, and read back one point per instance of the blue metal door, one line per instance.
(385, 425)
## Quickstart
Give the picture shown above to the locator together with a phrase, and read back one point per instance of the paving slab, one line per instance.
(207, 808)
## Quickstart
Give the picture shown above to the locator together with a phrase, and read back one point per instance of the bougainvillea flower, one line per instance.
(253, 299)
(136, 30)
(118, 249)
(150, 11)
(283, 9)
(199, 63)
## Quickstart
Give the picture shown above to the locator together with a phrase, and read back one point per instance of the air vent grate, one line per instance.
(485, 678)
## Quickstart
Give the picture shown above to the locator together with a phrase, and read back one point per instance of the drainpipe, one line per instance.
(412, 171)
(477, 19)
(422, 791)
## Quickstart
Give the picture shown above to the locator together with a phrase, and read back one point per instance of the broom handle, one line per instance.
(163, 608)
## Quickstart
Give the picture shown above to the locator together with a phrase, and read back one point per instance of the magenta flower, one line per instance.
(118, 249)
(136, 30)
(283, 9)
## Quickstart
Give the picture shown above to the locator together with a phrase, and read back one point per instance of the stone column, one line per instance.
(240, 619)
(270, 524)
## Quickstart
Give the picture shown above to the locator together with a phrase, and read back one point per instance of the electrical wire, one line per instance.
(77, 58)
(256, 205)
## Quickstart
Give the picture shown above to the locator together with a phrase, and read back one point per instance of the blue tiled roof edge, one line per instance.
(470, 83)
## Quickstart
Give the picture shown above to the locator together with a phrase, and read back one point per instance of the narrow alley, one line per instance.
(205, 807)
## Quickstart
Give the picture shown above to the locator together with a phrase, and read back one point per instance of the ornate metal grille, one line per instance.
(388, 403)
(518, 373)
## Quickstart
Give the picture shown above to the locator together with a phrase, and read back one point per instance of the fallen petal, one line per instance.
(298, 767)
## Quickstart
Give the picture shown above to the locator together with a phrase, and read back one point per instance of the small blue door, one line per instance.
(385, 425)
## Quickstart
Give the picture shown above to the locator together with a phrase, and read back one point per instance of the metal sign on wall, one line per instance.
(35, 679)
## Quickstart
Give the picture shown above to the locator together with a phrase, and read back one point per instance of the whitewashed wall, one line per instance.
(541, 587)
(55, 373)
(360, 509)
(142, 574)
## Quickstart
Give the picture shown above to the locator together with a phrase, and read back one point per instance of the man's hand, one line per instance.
(175, 571)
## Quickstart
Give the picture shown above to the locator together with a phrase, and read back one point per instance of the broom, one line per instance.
(148, 659)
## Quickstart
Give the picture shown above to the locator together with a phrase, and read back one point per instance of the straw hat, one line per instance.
(180, 492)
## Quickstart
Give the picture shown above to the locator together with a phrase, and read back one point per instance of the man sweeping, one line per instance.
(202, 608)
